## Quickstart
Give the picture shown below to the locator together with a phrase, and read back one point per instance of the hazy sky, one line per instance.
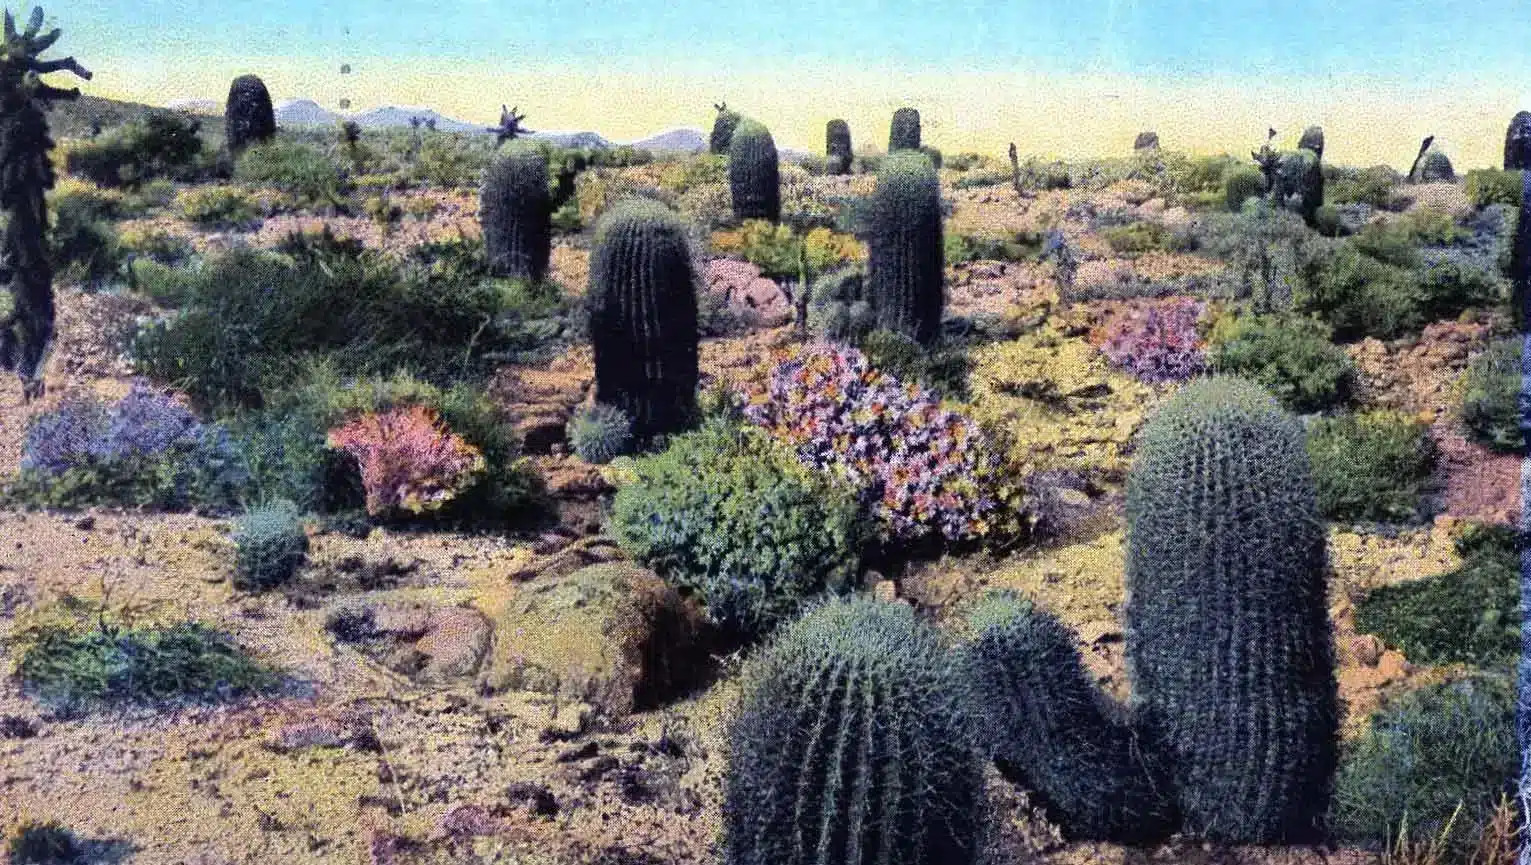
(1069, 77)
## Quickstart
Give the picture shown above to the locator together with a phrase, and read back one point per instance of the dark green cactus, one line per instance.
(904, 133)
(853, 745)
(754, 172)
(1517, 142)
(247, 115)
(1298, 183)
(1520, 258)
(643, 316)
(933, 154)
(837, 147)
(1312, 139)
(510, 127)
(1227, 627)
(1056, 734)
(1435, 167)
(722, 129)
(1146, 141)
(906, 257)
(515, 211)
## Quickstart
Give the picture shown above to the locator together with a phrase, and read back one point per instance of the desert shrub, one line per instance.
(1490, 390)
(600, 433)
(49, 843)
(1359, 296)
(1242, 184)
(767, 245)
(1193, 175)
(1158, 344)
(838, 307)
(160, 282)
(1137, 237)
(727, 514)
(301, 170)
(1440, 747)
(921, 465)
(154, 243)
(1370, 466)
(154, 195)
(270, 545)
(703, 170)
(83, 244)
(1371, 186)
(1469, 615)
(1450, 283)
(1290, 356)
(941, 368)
(156, 146)
(1264, 247)
(409, 462)
(217, 207)
(968, 247)
(1487, 186)
(1328, 221)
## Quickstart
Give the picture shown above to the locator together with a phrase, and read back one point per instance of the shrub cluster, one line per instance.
(1370, 466)
(1160, 343)
(1290, 355)
(600, 433)
(408, 461)
(1490, 394)
(161, 145)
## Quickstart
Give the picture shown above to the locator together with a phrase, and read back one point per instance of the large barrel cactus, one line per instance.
(1299, 183)
(722, 129)
(852, 745)
(1435, 167)
(1520, 256)
(1228, 639)
(837, 147)
(515, 211)
(1517, 142)
(643, 316)
(247, 115)
(754, 172)
(1054, 733)
(904, 133)
(905, 253)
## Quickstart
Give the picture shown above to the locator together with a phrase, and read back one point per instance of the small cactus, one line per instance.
(270, 545)
(754, 173)
(1312, 139)
(1146, 141)
(247, 115)
(600, 434)
(837, 147)
(1435, 167)
(838, 306)
(516, 213)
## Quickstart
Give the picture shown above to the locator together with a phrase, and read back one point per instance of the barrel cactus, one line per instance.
(247, 116)
(852, 744)
(904, 134)
(754, 176)
(1520, 257)
(643, 316)
(906, 257)
(1299, 183)
(1241, 184)
(1435, 167)
(1517, 142)
(1312, 139)
(515, 211)
(837, 147)
(722, 129)
(1227, 631)
(1054, 733)
(1146, 141)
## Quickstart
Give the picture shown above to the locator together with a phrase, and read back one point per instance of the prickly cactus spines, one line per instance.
(906, 256)
(904, 133)
(853, 745)
(837, 147)
(723, 129)
(1055, 733)
(1517, 142)
(643, 316)
(1227, 626)
(754, 173)
(247, 115)
(515, 211)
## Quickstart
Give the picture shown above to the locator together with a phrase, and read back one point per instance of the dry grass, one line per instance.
(1498, 845)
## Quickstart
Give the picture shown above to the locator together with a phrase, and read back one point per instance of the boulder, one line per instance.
(753, 296)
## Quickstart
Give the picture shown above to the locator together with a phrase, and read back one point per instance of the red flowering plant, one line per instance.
(1158, 344)
(920, 465)
(409, 461)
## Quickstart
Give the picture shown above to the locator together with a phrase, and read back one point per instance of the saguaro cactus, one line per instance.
(905, 252)
(247, 115)
(643, 316)
(26, 174)
(510, 126)
(754, 172)
(515, 211)
(837, 147)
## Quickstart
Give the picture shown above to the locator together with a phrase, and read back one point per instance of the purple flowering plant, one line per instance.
(1158, 344)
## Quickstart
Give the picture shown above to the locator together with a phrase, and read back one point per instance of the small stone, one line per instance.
(539, 800)
(1366, 650)
(85, 523)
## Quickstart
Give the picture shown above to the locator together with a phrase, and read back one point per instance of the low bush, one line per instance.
(409, 462)
(1358, 295)
(450, 161)
(157, 146)
(300, 170)
(1159, 343)
(1370, 466)
(155, 243)
(271, 545)
(941, 369)
(962, 248)
(83, 244)
(1138, 237)
(218, 207)
(1242, 184)
(1490, 391)
(1487, 186)
(1290, 356)
(1371, 186)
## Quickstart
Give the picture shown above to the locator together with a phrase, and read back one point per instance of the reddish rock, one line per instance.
(741, 286)
(455, 644)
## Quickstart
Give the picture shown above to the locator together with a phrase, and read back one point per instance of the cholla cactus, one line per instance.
(25, 177)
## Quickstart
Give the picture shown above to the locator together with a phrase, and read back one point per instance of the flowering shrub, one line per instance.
(1159, 344)
(918, 463)
(408, 460)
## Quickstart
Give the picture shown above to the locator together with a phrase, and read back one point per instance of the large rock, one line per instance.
(612, 635)
(753, 296)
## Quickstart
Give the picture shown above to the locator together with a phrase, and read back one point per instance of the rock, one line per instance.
(301, 735)
(1366, 650)
(467, 821)
(455, 643)
(85, 523)
(541, 432)
(612, 635)
(741, 286)
(538, 799)
(1152, 207)
(1392, 667)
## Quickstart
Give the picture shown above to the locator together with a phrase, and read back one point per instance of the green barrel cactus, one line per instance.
(1055, 733)
(1520, 257)
(904, 133)
(722, 129)
(1299, 183)
(247, 115)
(754, 173)
(837, 147)
(852, 744)
(1435, 167)
(905, 251)
(643, 316)
(1227, 629)
(1241, 184)
(1517, 142)
(516, 213)
(1312, 139)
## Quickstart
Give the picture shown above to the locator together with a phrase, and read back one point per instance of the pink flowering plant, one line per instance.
(920, 465)
(409, 462)
(1158, 344)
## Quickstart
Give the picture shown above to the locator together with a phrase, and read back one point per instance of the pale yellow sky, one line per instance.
(1365, 122)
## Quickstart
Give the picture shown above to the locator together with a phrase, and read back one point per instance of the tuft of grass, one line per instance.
(271, 545)
(1370, 466)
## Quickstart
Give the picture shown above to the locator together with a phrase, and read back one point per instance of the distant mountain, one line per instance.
(572, 139)
(390, 115)
(196, 106)
(674, 141)
(304, 112)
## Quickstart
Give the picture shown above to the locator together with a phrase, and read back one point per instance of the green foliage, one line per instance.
(906, 266)
(450, 161)
(729, 515)
(1241, 184)
(1490, 391)
(155, 243)
(1264, 247)
(165, 285)
(1358, 295)
(515, 208)
(1435, 167)
(1370, 466)
(271, 545)
(941, 367)
(156, 146)
(1450, 284)
(1445, 745)
(600, 433)
(851, 744)
(1469, 615)
(44, 844)
(1290, 356)
(839, 308)
(217, 207)
(1372, 186)
(83, 244)
(754, 178)
(301, 170)
(969, 247)
(904, 131)
(1137, 237)
(1487, 186)
(1054, 733)
(1227, 627)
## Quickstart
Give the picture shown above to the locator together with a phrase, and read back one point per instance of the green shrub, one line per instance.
(1440, 747)
(157, 146)
(968, 247)
(1487, 186)
(1240, 185)
(1469, 615)
(166, 285)
(1137, 237)
(1290, 356)
(1370, 466)
(271, 545)
(155, 243)
(600, 433)
(839, 309)
(1394, 242)
(83, 244)
(44, 844)
(217, 207)
(1449, 284)
(1371, 186)
(729, 515)
(1491, 388)
(942, 368)
(1359, 296)
(301, 170)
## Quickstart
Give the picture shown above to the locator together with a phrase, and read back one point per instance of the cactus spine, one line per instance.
(1228, 639)
(515, 211)
(837, 147)
(1517, 142)
(643, 316)
(722, 129)
(754, 176)
(904, 133)
(247, 116)
(853, 745)
(906, 256)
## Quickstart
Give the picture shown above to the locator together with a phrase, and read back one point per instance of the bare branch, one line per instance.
(67, 64)
(47, 92)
